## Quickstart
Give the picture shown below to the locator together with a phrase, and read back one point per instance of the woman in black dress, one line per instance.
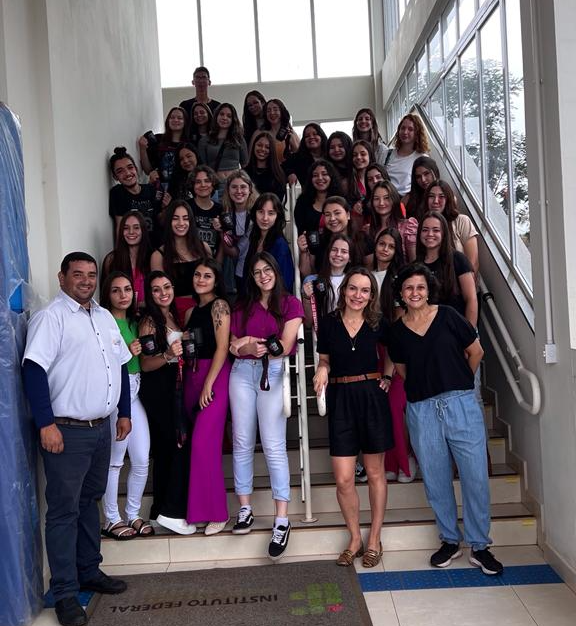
(359, 415)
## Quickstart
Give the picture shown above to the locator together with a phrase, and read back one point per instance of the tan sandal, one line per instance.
(346, 558)
(371, 557)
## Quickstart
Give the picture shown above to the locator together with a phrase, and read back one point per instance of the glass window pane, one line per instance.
(281, 62)
(449, 28)
(435, 54)
(518, 130)
(404, 107)
(422, 69)
(412, 86)
(224, 21)
(453, 129)
(437, 109)
(390, 127)
(401, 7)
(471, 117)
(175, 67)
(342, 38)
(497, 198)
(466, 11)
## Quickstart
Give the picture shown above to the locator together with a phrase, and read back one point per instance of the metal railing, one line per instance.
(532, 407)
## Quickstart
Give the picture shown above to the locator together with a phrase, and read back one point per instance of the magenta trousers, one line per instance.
(206, 491)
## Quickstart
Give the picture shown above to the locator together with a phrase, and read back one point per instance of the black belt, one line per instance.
(70, 421)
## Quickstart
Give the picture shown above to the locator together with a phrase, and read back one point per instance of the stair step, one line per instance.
(407, 529)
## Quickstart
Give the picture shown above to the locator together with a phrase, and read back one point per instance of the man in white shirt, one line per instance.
(75, 374)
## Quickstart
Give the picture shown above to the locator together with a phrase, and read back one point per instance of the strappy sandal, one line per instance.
(346, 558)
(142, 528)
(371, 557)
(119, 531)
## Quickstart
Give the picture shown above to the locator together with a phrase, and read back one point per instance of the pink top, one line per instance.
(138, 282)
(261, 323)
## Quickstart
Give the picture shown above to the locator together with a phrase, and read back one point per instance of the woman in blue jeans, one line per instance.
(436, 351)
(266, 316)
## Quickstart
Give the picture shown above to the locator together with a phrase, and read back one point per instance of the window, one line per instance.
(466, 11)
(453, 129)
(449, 29)
(291, 45)
(471, 118)
(435, 54)
(279, 59)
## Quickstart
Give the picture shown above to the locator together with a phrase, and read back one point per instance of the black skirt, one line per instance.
(359, 418)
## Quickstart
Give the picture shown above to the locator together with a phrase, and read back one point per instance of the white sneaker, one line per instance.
(413, 466)
(178, 526)
(391, 476)
(213, 528)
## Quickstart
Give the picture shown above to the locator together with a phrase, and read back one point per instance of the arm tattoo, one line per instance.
(220, 310)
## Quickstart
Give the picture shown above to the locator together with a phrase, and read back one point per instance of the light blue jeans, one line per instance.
(452, 422)
(252, 407)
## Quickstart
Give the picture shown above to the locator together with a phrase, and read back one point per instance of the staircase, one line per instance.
(409, 522)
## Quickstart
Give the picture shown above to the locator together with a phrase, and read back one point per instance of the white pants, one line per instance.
(137, 443)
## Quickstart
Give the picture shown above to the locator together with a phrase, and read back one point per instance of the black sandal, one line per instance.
(118, 531)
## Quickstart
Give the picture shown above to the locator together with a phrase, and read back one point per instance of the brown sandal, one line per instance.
(371, 557)
(346, 558)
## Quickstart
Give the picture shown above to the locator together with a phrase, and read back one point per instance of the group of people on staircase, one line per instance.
(197, 316)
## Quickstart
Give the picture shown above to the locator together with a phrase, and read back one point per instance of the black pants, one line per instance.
(171, 465)
(75, 482)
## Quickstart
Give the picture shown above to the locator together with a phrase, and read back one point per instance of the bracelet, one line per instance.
(387, 377)
(164, 356)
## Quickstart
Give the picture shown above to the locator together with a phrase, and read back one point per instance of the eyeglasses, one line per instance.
(265, 270)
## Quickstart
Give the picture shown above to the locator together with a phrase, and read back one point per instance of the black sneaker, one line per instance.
(484, 559)
(444, 556)
(69, 612)
(360, 473)
(244, 522)
(279, 541)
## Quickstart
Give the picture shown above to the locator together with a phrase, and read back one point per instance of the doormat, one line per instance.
(315, 593)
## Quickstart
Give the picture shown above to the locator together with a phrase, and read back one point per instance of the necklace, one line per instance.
(355, 328)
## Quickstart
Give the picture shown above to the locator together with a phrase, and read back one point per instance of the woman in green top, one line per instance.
(117, 296)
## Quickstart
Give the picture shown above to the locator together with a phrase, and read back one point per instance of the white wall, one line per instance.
(83, 77)
(323, 98)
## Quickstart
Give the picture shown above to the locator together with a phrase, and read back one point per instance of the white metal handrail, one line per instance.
(533, 407)
(301, 398)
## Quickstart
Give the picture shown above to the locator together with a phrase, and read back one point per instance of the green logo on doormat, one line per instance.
(317, 599)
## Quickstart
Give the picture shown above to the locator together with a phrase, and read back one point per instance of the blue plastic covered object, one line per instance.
(20, 544)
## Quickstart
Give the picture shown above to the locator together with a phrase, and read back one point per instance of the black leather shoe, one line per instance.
(103, 583)
(70, 613)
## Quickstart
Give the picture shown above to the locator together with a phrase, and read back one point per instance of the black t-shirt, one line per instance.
(201, 317)
(307, 218)
(188, 104)
(162, 157)
(203, 219)
(350, 357)
(265, 182)
(121, 201)
(435, 363)
(461, 266)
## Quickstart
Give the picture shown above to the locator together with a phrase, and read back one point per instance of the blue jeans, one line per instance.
(452, 422)
(253, 407)
(75, 482)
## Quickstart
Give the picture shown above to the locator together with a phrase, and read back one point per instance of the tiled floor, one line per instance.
(551, 604)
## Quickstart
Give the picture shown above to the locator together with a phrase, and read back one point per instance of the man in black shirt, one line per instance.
(201, 82)
(130, 195)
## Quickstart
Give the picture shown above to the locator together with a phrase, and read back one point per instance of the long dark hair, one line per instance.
(153, 311)
(166, 136)
(446, 275)
(105, 301)
(357, 251)
(309, 191)
(248, 120)
(371, 313)
(253, 294)
(194, 130)
(193, 243)
(235, 133)
(272, 163)
(119, 259)
(303, 149)
(344, 169)
(274, 233)
(450, 211)
(284, 114)
(219, 286)
(395, 214)
(325, 273)
(179, 183)
(387, 299)
(374, 132)
(416, 205)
